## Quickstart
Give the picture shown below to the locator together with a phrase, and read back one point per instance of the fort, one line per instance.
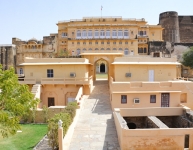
(176, 28)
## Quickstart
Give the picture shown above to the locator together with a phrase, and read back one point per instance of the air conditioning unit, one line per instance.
(136, 100)
(72, 75)
(127, 74)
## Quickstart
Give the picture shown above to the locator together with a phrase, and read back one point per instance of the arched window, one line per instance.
(114, 49)
(84, 34)
(102, 49)
(120, 49)
(90, 49)
(78, 52)
(78, 34)
(96, 49)
(114, 34)
(84, 49)
(90, 34)
(108, 49)
(126, 51)
(108, 34)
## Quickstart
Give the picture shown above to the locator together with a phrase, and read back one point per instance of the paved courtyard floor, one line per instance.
(95, 128)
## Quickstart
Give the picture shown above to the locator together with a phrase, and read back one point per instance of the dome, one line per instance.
(33, 39)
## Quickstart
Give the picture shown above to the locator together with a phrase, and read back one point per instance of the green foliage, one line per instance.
(15, 101)
(45, 111)
(188, 58)
(62, 53)
(66, 117)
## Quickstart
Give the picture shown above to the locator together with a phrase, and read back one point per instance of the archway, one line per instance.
(102, 68)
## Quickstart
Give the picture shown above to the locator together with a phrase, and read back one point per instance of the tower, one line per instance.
(169, 21)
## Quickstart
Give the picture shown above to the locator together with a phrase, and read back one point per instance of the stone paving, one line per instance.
(95, 129)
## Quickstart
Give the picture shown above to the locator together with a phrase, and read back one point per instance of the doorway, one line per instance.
(102, 68)
(51, 101)
(165, 99)
(151, 75)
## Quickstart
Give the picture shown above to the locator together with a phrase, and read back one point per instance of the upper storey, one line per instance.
(108, 28)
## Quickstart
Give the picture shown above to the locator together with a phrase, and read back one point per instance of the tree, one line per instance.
(15, 101)
(188, 58)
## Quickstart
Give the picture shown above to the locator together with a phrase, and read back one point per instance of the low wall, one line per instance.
(151, 139)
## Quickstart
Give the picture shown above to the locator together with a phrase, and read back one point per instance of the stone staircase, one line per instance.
(36, 90)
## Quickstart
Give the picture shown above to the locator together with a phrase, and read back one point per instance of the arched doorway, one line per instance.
(102, 68)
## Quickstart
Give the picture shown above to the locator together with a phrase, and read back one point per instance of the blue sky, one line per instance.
(37, 18)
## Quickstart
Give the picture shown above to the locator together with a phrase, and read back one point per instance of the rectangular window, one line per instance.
(90, 34)
(96, 34)
(84, 43)
(102, 42)
(114, 42)
(50, 73)
(96, 42)
(108, 34)
(78, 34)
(123, 99)
(126, 42)
(102, 33)
(78, 43)
(120, 42)
(114, 34)
(108, 42)
(90, 43)
(152, 98)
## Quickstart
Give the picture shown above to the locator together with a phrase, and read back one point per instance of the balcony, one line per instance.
(84, 81)
(27, 81)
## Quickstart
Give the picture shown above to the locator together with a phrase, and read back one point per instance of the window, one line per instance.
(84, 49)
(108, 34)
(96, 49)
(131, 32)
(102, 42)
(78, 52)
(96, 34)
(152, 34)
(64, 34)
(114, 34)
(96, 42)
(144, 33)
(90, 34)
(123, 99)
(120, 49)
(50, 73)
(84, 43)
(78, 34)
(126, 33)
(84, 34)
(108, 42)
(102, 34)
(152, 98)
(126, 51)
(145, 50)
(114, 42)
(131, 43)
(20, 70)
(108, 49)
(90, 49)
(102, 49)
(120, 42)
(78, 43)
(90, 43)
(114, 49)
(72, 33)
(73, 43)
(140, 50)
(120, 33)
(126, 42)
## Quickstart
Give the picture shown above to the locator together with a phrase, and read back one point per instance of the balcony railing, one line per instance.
(27, 81)
(66, 80)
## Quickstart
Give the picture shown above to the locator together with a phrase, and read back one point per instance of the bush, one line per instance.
(67, 117)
